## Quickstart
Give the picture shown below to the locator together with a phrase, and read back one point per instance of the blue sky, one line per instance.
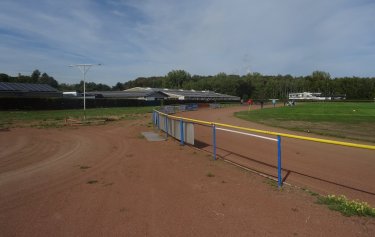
(134, 38)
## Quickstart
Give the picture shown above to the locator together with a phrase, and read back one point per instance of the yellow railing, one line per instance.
(327, 141)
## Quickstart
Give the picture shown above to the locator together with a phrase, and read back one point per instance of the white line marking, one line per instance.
(248, 134)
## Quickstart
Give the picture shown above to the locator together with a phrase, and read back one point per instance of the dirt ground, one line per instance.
(109, 181)
(324, 168)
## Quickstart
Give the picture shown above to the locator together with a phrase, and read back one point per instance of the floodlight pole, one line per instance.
(84, 68)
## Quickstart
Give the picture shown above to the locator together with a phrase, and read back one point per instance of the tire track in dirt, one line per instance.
(66, 173)
(65, 164)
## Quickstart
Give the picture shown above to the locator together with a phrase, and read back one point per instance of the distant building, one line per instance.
(70, 94)
(148, 95)
(10, 89)
(314, 96)
(189, 95)
(307, 96)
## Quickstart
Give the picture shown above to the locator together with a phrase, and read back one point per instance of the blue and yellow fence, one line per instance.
(244, 131)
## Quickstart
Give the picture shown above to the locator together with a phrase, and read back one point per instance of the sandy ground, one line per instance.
(109, 181)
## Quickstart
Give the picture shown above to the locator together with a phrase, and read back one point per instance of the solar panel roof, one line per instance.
(129, 94)
(186, 93)
(26, 87)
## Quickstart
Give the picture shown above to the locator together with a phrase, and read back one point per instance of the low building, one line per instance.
(10, 89)
(149, 95)
(70, 94)
(314, 96)
(307, 96)
(188, 95)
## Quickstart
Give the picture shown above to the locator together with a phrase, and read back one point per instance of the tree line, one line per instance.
(43, 78)
(258, 86)
(35, 77)
(252, 85)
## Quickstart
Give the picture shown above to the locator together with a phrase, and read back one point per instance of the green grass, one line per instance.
(11, 117)
(210, 175)
(315, 112)
(349, 120)
(274, 184)
(347, 207)
(312, 193)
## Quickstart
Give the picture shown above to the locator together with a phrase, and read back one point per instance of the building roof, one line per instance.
(11, 89)
(187, 94)
(129, 94)
(25, 87)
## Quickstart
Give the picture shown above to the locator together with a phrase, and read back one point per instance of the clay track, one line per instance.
(108, 181)
(324, 168)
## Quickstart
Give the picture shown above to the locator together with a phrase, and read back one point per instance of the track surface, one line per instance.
(327, 169)
(108, 181)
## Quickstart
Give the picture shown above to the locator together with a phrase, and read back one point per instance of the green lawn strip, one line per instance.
(315, 112)
(344, 120)
(10, 117)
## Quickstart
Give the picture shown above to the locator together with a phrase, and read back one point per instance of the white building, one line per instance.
(307, 96)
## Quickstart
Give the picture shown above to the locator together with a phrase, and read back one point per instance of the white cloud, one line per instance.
(144, 38)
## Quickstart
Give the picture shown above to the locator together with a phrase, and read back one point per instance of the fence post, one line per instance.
(166, 126)
(279, 178)
(182, 132)
(158, 118)
(214, 139)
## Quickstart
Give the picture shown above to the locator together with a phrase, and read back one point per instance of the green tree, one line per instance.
(176, 78)
(118, 87)
(67, 87)
(102, 87)
(45, 79)
(4, 77)
(319, 81)
(35, 76)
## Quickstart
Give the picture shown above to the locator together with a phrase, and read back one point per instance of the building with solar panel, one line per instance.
(10, 89)
(187, 95)
(147, 95)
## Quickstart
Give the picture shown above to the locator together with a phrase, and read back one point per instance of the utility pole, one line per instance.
(84, 68)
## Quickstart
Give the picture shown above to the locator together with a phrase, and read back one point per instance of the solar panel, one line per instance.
(33, 87)
(10, 86)
(188, 94)
(4, 86)
(125, 94)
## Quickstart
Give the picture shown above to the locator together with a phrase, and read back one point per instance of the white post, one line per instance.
(84, 88)
(84, 69)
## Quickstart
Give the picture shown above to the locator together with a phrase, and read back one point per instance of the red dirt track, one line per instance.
(108, 181)
(327, 169)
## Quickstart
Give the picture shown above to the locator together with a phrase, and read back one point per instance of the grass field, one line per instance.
(13, 118)
(348, 120)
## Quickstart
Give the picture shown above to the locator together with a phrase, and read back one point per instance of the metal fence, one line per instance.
(170, 123)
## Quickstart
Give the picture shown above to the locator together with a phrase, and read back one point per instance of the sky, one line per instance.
(142, 38)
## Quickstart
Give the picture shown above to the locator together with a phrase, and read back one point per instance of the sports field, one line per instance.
(345, 120)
